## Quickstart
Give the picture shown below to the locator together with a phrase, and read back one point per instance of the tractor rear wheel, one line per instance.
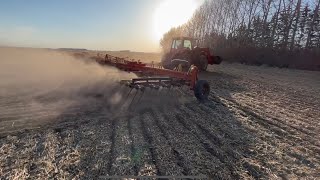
(202, 90)
(217, 59)
(203, 63)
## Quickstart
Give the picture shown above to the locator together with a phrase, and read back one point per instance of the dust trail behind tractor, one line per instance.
(155, 77)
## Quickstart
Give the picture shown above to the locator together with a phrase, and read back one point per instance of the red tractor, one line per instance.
(183, 54)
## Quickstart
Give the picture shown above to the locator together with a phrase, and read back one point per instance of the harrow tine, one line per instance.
(138, 100)
(168, 91)
(133, 98)
(121, 104)
(178, 92)
(129, 93)
(152, 89)
(185, 92)
(125, 99)
(141, 96)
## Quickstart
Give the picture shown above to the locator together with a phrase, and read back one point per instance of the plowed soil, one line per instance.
(259, 123)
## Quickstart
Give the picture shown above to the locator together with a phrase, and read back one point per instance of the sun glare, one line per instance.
(172, 13)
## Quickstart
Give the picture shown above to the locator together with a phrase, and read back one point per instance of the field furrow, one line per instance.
(259, 123)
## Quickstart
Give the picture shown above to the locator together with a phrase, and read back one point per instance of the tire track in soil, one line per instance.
(166, 159)
(231, 145)
(188, 144)
(147, 137)
(254, 104)
(280, 132)
(103, 148)
(132, 147)
(181, 162)
(228, 134)
(227, 102)
(123, 164)
(142, 157)
(88, 159)
(221, 135)
(288, 108)
(208, 141)
(295, 106)
(308, 162)
(111, 156)
(93, 138)
(93, 141)
(292, 98)
(255, 155)
(283, 130)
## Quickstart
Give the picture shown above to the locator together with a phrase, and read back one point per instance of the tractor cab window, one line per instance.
(187, 44)
(177, 44)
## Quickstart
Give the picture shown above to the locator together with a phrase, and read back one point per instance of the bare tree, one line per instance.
(255, 30)
(312, 25)
(297, 17)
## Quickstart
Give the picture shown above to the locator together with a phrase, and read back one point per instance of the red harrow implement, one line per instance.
(156, 77)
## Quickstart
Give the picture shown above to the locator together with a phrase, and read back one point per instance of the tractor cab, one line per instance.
(184, 52)
(182, 43)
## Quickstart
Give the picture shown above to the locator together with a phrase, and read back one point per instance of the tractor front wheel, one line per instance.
(202, 90)
(203, 63)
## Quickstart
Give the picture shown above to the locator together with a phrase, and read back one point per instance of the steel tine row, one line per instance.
(159, 86)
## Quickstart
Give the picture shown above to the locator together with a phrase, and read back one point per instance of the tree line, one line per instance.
(283, 33)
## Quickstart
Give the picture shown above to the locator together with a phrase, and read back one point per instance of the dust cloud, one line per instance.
(39, 85)
(46, 70)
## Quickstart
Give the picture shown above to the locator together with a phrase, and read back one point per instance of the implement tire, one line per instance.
(202, 90)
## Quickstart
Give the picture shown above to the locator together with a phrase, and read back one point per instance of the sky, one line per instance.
(135, 25)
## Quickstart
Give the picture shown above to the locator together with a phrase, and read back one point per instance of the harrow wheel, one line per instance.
(202, 90)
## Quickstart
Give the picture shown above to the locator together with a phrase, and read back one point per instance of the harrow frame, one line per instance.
(155, 76)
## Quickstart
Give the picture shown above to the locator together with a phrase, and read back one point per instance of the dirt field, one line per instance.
(260, 123)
